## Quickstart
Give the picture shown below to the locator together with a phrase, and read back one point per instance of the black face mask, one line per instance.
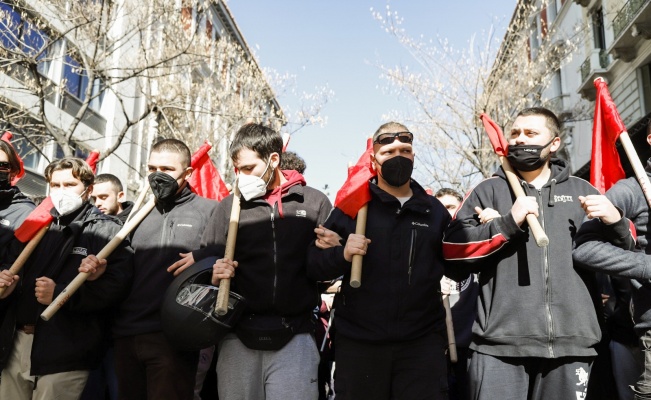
(163, 186)
(396, 171)
(527, 158)
(5, 182)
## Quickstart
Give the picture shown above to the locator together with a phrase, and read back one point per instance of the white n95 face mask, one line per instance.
(65, 201)
(252, 186)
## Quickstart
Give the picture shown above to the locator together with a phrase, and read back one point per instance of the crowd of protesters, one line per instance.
(569, 320)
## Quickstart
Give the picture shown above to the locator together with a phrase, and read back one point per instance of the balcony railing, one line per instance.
(603, 60)
(626, 15)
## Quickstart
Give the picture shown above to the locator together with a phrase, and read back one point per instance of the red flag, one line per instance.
(37, 219)
(92, 159)
(495, 135)
(605, 167)
(7, 136)
(205, 180)
(355, 192)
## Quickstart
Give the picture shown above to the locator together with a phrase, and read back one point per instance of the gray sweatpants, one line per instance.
(288, 373)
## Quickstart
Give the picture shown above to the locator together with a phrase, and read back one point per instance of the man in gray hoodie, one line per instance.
(611, 248)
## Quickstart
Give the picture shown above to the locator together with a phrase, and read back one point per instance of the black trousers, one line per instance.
(147, 367)
(410, 370)
(528, 378)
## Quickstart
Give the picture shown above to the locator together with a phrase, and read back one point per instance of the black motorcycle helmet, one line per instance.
(188, 311)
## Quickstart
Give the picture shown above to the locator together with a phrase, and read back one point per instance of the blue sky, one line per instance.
(338, 43)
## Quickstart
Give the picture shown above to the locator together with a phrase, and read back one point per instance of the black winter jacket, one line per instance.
(607, 248)
(74, 337)
(169, 229)
(271, 250)
(399, 298)
(533, 302)
(14, 208)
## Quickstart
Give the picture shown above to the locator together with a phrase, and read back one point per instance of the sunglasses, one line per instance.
(388, 138)
(5, 165)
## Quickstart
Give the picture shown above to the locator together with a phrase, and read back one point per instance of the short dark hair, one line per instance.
(114, 180)
(12, 156)
(449, 192)
(553, 124)
(291, 160)
(262, 140)
(173, 146)
(389, 126)
(80, 169)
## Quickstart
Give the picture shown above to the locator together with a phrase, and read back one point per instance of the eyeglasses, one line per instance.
(388, 138)
(5, 165)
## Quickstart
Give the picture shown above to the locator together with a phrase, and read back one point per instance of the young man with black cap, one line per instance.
(390, 340)
(536, 327)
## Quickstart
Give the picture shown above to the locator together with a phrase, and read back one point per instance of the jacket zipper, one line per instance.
(548, 308)
(163, 237)
(273, 234)
(412, 252)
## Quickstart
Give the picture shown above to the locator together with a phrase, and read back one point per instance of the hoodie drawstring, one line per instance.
(550, 203)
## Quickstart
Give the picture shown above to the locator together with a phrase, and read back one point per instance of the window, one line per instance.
(645, 75)
(598, 33)
(534, 39)
(33, 44)
(9, 26)
(73, 76)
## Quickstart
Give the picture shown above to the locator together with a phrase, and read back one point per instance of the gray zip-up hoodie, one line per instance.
(608, 248)
(533, 302)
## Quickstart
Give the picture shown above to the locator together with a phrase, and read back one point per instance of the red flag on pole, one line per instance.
(355, 191)
(605, 167)
(7, 136)
(92, 160)
(205, 180)
(495, 135)
(37, 219)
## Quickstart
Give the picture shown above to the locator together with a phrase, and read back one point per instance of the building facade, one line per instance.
(119, 75)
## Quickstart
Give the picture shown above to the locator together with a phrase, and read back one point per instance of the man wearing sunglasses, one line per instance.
(390, 340)
(14, 205)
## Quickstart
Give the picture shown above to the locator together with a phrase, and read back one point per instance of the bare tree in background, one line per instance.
(451, 87)
(162, 62)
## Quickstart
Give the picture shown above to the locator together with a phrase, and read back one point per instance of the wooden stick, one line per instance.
(76, 283)
(452, 345)
(139, 201)
(221, 305)
(538, 233)
(24, 255)
(360, 229)
(638, 168)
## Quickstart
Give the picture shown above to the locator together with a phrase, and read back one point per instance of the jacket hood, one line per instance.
(560, 173)
(275, 196)
(559, 167)
(15, 195)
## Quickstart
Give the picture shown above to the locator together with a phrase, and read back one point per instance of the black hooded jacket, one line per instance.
(74, 337)
(533, 301)
(271, 247)
(14, 208)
